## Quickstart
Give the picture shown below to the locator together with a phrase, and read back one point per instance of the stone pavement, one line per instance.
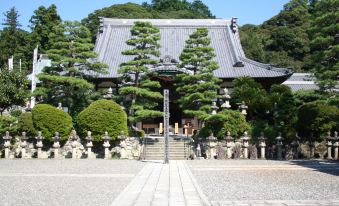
(161, 184)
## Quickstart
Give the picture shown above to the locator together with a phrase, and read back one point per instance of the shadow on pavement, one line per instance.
(326, 166)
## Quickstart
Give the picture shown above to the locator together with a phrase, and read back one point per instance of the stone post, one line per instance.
(123, 151)
(23, 144)
(74, 137)
(245, 144)
(329, 145)
(336, 146)
(262, 146)
(106, 145)
(279, 140)
(212, 144)
(229, 145)
(312, 145)
(89, 144)
(7, 144)
(39, 144)
(56, 145)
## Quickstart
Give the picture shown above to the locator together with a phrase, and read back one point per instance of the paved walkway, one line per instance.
(162, 184)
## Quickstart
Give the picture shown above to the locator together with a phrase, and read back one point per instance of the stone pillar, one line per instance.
(106, 145)
(212, 144)
(279, 146)
(229, 145)
(39, 144)
(245, 144)
(336, 146)
(262, 146)
(123, 150)
(74, 138)
(56, 145)
(89, 144)
(7, 144)
(23, 144)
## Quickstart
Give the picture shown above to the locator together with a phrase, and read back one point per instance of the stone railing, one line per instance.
(128, 147)
(242, 148)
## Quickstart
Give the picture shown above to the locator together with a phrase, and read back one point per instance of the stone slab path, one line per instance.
(163, 184)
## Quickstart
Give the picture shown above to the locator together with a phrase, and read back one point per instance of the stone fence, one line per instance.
(128, 148)
(229, 148)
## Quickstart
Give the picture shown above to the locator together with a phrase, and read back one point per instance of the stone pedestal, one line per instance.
(56, 145)
(74, 150)
(23, 145)
(212, 143)
(89, 145)
(329, 150)
(336, 150)
(279, 140)
(7, 144)
(262, 151)
(229, 145)
(106, 145)
(245, 145)
(74, 138)
(39, 144)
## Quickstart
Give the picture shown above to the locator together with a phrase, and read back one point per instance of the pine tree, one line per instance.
(138, 88)
(44, 22)
(14, 41)
(73, 59)
(199, 89)
(325, 43)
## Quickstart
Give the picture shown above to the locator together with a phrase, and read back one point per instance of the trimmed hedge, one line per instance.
(26, 124)
(49, 119)
(100, 117)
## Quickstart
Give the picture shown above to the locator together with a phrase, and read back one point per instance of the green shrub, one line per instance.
(16, 113)
(100, 117)
(223, 122)
(8, 123)
(26, 124)
(317, 118)
(49, 119)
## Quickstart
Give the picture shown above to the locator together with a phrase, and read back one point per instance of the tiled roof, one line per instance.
(301, 81)
(174, 32)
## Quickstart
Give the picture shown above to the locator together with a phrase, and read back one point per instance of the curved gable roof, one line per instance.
(113, 34)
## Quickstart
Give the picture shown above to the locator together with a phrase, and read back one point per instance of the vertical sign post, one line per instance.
(166, 124)
(33, 87)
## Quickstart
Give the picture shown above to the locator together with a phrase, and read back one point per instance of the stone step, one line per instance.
(161, 158)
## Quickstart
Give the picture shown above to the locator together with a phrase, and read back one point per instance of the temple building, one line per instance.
(224, 35)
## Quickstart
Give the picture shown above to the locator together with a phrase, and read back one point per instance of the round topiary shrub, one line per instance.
(49, 119)
(100, 117)
(26, 124)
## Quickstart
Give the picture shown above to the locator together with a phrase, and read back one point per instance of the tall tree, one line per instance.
(73, 60)
(14, 41)
(325, 43)
(13, 90)
(44, 23)
(199, 89)
(139, 90)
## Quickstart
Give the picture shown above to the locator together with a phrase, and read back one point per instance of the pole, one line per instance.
(33, 87)
(166, 124)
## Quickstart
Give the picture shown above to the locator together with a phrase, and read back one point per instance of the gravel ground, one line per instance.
(238, 180)
(64, 182)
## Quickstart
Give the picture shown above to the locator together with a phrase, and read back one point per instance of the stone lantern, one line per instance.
(23, 144)
(74, 138)
(56, 144)
(89, 144)
(109, 94)
(214, 108)
(226, 97)
(229, 144)
(7, 138)
(329, 145)
(243, 107)
(262, 145)
(39, 144)
(123, 151)
(60, 106)
(295, 146)
(245, 144)
(336, 146)
(279, 140)
(106, 144)
(212, 141)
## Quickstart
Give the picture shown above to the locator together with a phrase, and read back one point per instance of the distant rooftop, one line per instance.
(301, 81)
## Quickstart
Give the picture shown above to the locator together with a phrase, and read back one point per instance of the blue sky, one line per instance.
(248, 11)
